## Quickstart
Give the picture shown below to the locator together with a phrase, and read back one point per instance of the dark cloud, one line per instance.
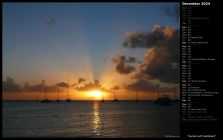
(36, 88)
(135, 39)
(162, 58)
(39, 87)
(122, 65)
(142, 85)
(26, 86)
(126, 59)
(50, 22)
(173, 11)
(160, 63)
(131, 59)
(90, 86)
(52, 88)
(159, 36)
(10, 86)
(63, 84)
(74, 85)
(172, 89)
(148, 86)
(96, 82)
(81, 80)
(116, 87)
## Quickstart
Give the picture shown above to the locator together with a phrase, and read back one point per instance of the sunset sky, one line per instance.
(90, 46)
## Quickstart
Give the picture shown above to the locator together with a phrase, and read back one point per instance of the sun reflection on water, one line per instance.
(96, 123)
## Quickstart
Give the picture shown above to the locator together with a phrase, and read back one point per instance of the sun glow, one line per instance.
(96, 94)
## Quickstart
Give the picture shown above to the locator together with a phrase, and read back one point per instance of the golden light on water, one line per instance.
(96, 123)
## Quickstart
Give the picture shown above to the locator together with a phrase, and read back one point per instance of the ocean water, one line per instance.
(91, 119)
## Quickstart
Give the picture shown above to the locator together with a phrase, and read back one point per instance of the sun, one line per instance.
(96, 94)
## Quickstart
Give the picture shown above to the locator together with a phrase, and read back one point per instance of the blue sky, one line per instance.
(82, 36)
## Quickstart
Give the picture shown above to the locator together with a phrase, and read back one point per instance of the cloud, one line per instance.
(122, 65)
(160, 63)
(116, 87)
(10, 86)
(127, 59)
(90, 86)
(173, 11)
(50, 22)
(142, 85)
(131, 59)
(149, 86)
(172, 89)
(36, 88)
(74, 85)
(39, 87)
(159, 36)
(26, 86)
(81, 80)
(63, 84)
(134, 39)
(162, 57)
(52, 88)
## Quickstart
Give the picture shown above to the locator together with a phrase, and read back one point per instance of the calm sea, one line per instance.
(89, 119)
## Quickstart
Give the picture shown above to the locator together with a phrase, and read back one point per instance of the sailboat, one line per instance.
(45, 98)
(115, 99)
(102, 100)
(165, 100)
(58, 99)
(68, 99)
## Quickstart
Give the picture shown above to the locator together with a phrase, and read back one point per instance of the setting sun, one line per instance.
(96, 94)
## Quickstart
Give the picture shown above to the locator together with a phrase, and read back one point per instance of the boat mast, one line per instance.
(102, 95)
(58, 90)
(45, 93)
(114, 94)
(68, 89)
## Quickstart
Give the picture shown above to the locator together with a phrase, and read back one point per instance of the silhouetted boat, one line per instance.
(45, 101)
(102, 94)
(45, 98)
(115, 100)
(68, 100)
(102, 100)
(165, 100)
(58, 97)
